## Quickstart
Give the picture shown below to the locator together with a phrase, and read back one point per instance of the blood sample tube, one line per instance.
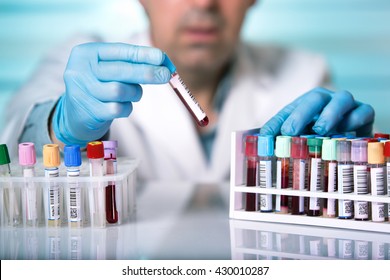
(360, 177)
(344, 177)
(386, 153)
(382, 135)
(330, 175)
(51, 161)
(95, 154)
(315, 174)
(251, 169)
(282, 152)
(111, 168)
(27, 160)
(265, 152)
(299, 155)
(72, 161)
(376, 161)
(185, 95)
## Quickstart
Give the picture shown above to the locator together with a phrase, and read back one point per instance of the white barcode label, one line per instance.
(54, 206)
(345, 185)
(361, 250)
(278, 184)
(332, 187)
(75, 203)
(265, 181)
(360, 179)
(315, 247)
(345, 249)
(378, 250)
(315, 182)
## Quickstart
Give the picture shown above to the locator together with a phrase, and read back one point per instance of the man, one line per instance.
(238, 86)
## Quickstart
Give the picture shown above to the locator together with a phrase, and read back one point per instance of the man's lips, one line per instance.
(201, 34)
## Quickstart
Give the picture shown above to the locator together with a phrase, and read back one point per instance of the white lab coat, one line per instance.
(160, 131)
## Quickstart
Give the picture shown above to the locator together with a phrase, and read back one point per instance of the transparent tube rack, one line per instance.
(24, 202)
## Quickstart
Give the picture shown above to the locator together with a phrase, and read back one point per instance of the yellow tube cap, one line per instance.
(375, 153)
(51, 155)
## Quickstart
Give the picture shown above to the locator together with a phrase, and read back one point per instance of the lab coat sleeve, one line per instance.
(28, 112)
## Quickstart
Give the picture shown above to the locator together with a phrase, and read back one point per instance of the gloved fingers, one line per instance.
(360, 119)
(108, 111)
(332, 114)
(132, 73)
(306, 109)
(117, 92)
(129, 53)
(272, 127)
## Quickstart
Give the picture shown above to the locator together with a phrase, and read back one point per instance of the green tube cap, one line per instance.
(4, 155)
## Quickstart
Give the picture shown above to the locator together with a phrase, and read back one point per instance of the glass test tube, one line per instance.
(251, 169)
(386, 153)
(344, 178)
(51, 162)
(282, 152)
(11, 195)
(315, 175)
(95, 154)
(330, 176)
(27, 160)
(111, 169)
(299, 155)
(185, 95)
(265, 152)
(376, 162)
(74, 197)
(360, 177)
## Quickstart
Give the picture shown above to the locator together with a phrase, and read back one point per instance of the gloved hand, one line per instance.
(102, 80)
(323, 112)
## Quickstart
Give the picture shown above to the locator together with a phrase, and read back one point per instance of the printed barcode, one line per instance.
(73, 197)
(345, 178)
(189, 93)
(360, 179)
(379, 181)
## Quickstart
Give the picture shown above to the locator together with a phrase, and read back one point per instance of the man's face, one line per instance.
(196, 34)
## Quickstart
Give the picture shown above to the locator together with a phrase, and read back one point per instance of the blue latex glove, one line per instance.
(102, 80)
(321, 111)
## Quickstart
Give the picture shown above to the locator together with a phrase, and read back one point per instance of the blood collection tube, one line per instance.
(330, 176)
(386, 153)
(282, 152)
(376, 162)
(95, 154)
(299, 155)
(315, 174)
(51, 162)
(27, 160)
(344, 178)
(360, 177)
(251, 169)
(11, 195)
(111, 169)
(379, 135)
(185, 95)
(72, 161)
(265, 152)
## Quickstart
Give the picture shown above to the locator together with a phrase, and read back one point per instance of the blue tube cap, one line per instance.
(72, 155)
(265, 145)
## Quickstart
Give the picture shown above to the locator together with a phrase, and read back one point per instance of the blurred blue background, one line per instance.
(354, 35)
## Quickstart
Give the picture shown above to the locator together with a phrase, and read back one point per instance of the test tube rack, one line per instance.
(92, 190)
(238, 190)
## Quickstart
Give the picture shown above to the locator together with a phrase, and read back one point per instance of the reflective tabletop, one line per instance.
(177, 220)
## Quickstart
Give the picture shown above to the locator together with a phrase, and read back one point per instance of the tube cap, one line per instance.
(375, 153)
(283, 146)
(251, 145)
(315, 145)
(329, 149)
(382, 135)
(110, 149)
(51, 155)
(265, 146)
(95, 149)
(72, 155)
(386, 151)
(4, 155)
(299, 148)
(359, 151)
(343, 150)
(27, 154)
